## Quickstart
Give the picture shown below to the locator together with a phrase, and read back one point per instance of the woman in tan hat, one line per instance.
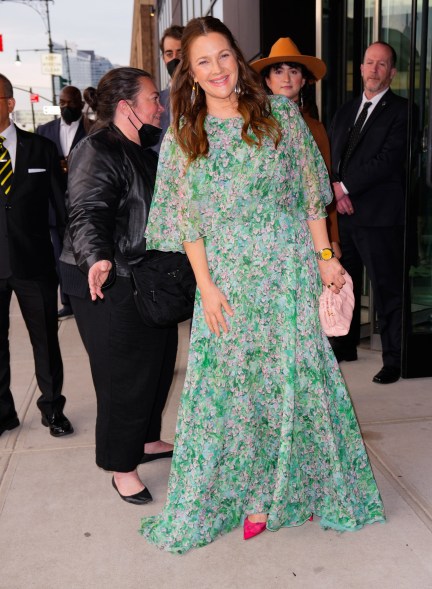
(286, 71)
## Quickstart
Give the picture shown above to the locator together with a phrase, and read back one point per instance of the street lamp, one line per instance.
(18, 61)
(42, 8)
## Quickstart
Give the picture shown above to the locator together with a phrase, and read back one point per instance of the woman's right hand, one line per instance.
(97, 276)
(214, 303)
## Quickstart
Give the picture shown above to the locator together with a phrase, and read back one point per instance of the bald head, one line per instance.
(71, 96)
(71, 104)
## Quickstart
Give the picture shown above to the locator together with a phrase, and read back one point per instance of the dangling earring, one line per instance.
(301, 98)
(237, 88)
(194, 93)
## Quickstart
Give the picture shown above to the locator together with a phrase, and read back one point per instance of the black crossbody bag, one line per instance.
(164, 288)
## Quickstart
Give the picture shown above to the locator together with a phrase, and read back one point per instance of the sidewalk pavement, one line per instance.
(63, 525)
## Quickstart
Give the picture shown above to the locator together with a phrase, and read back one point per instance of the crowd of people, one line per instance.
(230, 166)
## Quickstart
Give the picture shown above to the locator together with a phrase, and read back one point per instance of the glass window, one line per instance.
(396, 30)
(185, 16)
(205, 6)
(217, 9)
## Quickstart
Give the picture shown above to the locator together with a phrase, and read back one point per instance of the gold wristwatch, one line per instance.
(325, 254)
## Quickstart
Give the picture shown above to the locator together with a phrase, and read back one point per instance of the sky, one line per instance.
(102, 25)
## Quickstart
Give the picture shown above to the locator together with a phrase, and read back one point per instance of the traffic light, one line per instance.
(63, 82)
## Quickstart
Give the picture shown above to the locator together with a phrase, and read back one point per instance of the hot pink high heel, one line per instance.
(251, 529)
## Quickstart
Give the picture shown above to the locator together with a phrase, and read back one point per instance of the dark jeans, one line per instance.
(132, 367)
(38, 303)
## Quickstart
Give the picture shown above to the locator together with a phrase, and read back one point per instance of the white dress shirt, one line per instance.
(67, 134)
(374, 101)
(10, 142)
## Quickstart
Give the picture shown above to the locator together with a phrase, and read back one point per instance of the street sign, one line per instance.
(52, 64)
(34, 97)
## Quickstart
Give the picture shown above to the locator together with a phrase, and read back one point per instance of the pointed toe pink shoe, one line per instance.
(251, 529)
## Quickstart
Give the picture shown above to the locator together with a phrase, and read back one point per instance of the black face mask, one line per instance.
(149, 135)
(171, 66)
(70, 115)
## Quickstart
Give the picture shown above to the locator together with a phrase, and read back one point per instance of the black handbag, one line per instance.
(164, 288)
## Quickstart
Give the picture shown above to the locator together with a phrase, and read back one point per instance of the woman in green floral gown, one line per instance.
(266, 432)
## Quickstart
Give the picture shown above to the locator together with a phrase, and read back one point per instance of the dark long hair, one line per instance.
(307, 93)
(189, 117)
(122, 83)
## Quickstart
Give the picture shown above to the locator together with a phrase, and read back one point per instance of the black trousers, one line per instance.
(58, 246)
(38, 303)
(380, 249)
(132, 367)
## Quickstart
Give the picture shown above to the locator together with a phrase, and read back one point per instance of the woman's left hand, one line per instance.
(332, 274)
(97, 276)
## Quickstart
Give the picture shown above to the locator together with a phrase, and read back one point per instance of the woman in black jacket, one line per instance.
(110, 188)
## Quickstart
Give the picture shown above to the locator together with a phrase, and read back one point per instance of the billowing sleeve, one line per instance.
(308, 180)
(174, 215)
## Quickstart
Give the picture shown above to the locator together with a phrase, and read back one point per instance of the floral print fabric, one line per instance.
(265, 424)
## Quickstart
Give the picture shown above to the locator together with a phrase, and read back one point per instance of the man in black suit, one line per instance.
(29, 178)
(65, 132)
(170, 46)
(368, 139)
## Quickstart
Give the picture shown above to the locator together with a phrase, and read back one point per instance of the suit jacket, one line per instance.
(25, 245)
(375, 174)
(51, 130)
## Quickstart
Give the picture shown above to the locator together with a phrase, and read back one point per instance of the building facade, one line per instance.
(338, 31)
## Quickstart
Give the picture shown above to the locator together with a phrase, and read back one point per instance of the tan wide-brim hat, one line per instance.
(286, 50)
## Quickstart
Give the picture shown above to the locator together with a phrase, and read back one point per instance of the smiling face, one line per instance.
(285, 79)
(377, 69)
(146, 105)
(144, 110)
(214, 66)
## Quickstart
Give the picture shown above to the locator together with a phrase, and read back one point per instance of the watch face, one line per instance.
(326, 254)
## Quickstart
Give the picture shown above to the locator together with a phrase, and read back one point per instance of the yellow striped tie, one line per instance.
(6, 172)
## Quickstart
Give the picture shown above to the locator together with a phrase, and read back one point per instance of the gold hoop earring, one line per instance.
(194, 93)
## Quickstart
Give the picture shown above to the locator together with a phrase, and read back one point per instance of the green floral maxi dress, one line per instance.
(266, 424)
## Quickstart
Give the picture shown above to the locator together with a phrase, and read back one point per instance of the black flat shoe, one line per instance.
(348, 355)
(150, 457)
(138, 499)
(387, 375)
(64, 313)
(58, 423)
(11, 424)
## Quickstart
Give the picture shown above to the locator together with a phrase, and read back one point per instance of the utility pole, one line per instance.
(43, 12)
(50, 47)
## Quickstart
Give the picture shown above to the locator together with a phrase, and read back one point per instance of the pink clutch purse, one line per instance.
(336, 310)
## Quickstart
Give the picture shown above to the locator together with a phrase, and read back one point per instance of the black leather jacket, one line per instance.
(110, 188)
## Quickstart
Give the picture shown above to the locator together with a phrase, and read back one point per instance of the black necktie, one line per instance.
(6, 172)
(354, 136)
